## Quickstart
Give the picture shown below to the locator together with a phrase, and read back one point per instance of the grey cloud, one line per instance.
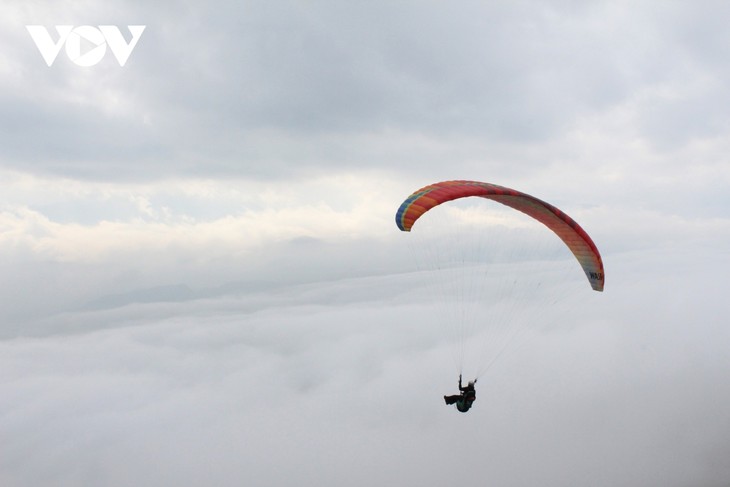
(262, 90)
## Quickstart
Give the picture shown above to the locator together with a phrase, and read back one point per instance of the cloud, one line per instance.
(221, 388)
(79, 244)
(122, 239)
(203, 282)
(281, 92)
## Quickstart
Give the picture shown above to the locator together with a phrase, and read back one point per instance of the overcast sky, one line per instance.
(203, 284)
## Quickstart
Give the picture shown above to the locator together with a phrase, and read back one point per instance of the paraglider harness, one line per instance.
(466, 398)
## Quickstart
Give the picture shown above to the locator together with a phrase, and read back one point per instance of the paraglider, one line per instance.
(466, 397)
(451, 268)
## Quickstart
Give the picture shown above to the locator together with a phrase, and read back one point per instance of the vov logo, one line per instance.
(85, 45)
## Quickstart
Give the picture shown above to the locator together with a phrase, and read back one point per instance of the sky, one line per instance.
(202, 282)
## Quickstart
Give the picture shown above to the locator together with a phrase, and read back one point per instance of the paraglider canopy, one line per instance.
(577, 240)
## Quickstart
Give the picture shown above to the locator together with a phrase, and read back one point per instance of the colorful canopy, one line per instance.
(577, 240)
